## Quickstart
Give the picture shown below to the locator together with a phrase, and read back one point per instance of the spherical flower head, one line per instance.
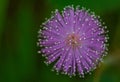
(75, 40)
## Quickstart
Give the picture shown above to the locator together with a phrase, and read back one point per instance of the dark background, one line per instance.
(20, 21)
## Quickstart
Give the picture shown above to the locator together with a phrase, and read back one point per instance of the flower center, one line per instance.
(73, 40)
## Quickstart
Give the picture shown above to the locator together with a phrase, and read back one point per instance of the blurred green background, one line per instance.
(20, 21)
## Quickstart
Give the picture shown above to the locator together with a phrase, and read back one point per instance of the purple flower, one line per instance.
(75, 40)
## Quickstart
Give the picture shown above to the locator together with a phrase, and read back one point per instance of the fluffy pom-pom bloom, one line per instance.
(75, 40)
